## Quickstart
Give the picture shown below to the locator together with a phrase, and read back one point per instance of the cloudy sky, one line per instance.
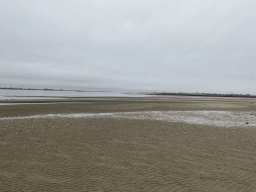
(145, 45)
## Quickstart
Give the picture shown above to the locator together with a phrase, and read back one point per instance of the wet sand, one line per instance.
(120, 153)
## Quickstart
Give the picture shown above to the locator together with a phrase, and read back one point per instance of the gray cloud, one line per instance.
(137, 44)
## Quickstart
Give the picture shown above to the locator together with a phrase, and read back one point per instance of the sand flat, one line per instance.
(136, 146)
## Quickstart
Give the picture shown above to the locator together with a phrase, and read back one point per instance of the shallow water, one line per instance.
(213, 118)
(46, 103)
(8, 94)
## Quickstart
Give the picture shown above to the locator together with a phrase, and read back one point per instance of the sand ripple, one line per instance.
(124, 154)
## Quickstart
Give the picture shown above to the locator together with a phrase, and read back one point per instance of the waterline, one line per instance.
(214, 118)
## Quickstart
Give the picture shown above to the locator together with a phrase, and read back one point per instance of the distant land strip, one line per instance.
(204, 94)
(46, 89)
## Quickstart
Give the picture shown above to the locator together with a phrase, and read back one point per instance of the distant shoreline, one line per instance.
(205, 94)
(45, 89)
(145, 93)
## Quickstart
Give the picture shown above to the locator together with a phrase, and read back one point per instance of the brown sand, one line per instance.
(111, 154)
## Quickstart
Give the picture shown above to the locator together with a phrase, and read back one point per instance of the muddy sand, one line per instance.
(128, 144)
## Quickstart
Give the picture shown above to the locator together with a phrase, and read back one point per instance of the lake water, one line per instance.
(8, 94)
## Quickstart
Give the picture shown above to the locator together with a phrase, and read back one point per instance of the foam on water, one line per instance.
(215, 118)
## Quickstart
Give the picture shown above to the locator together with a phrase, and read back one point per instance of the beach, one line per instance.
(156, 143)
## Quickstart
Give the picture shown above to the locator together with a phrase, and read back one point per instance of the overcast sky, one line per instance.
(148, 45)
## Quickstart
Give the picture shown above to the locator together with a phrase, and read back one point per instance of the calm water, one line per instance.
(6, 94)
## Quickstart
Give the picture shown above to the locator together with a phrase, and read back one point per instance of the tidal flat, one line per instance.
(161, 143)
